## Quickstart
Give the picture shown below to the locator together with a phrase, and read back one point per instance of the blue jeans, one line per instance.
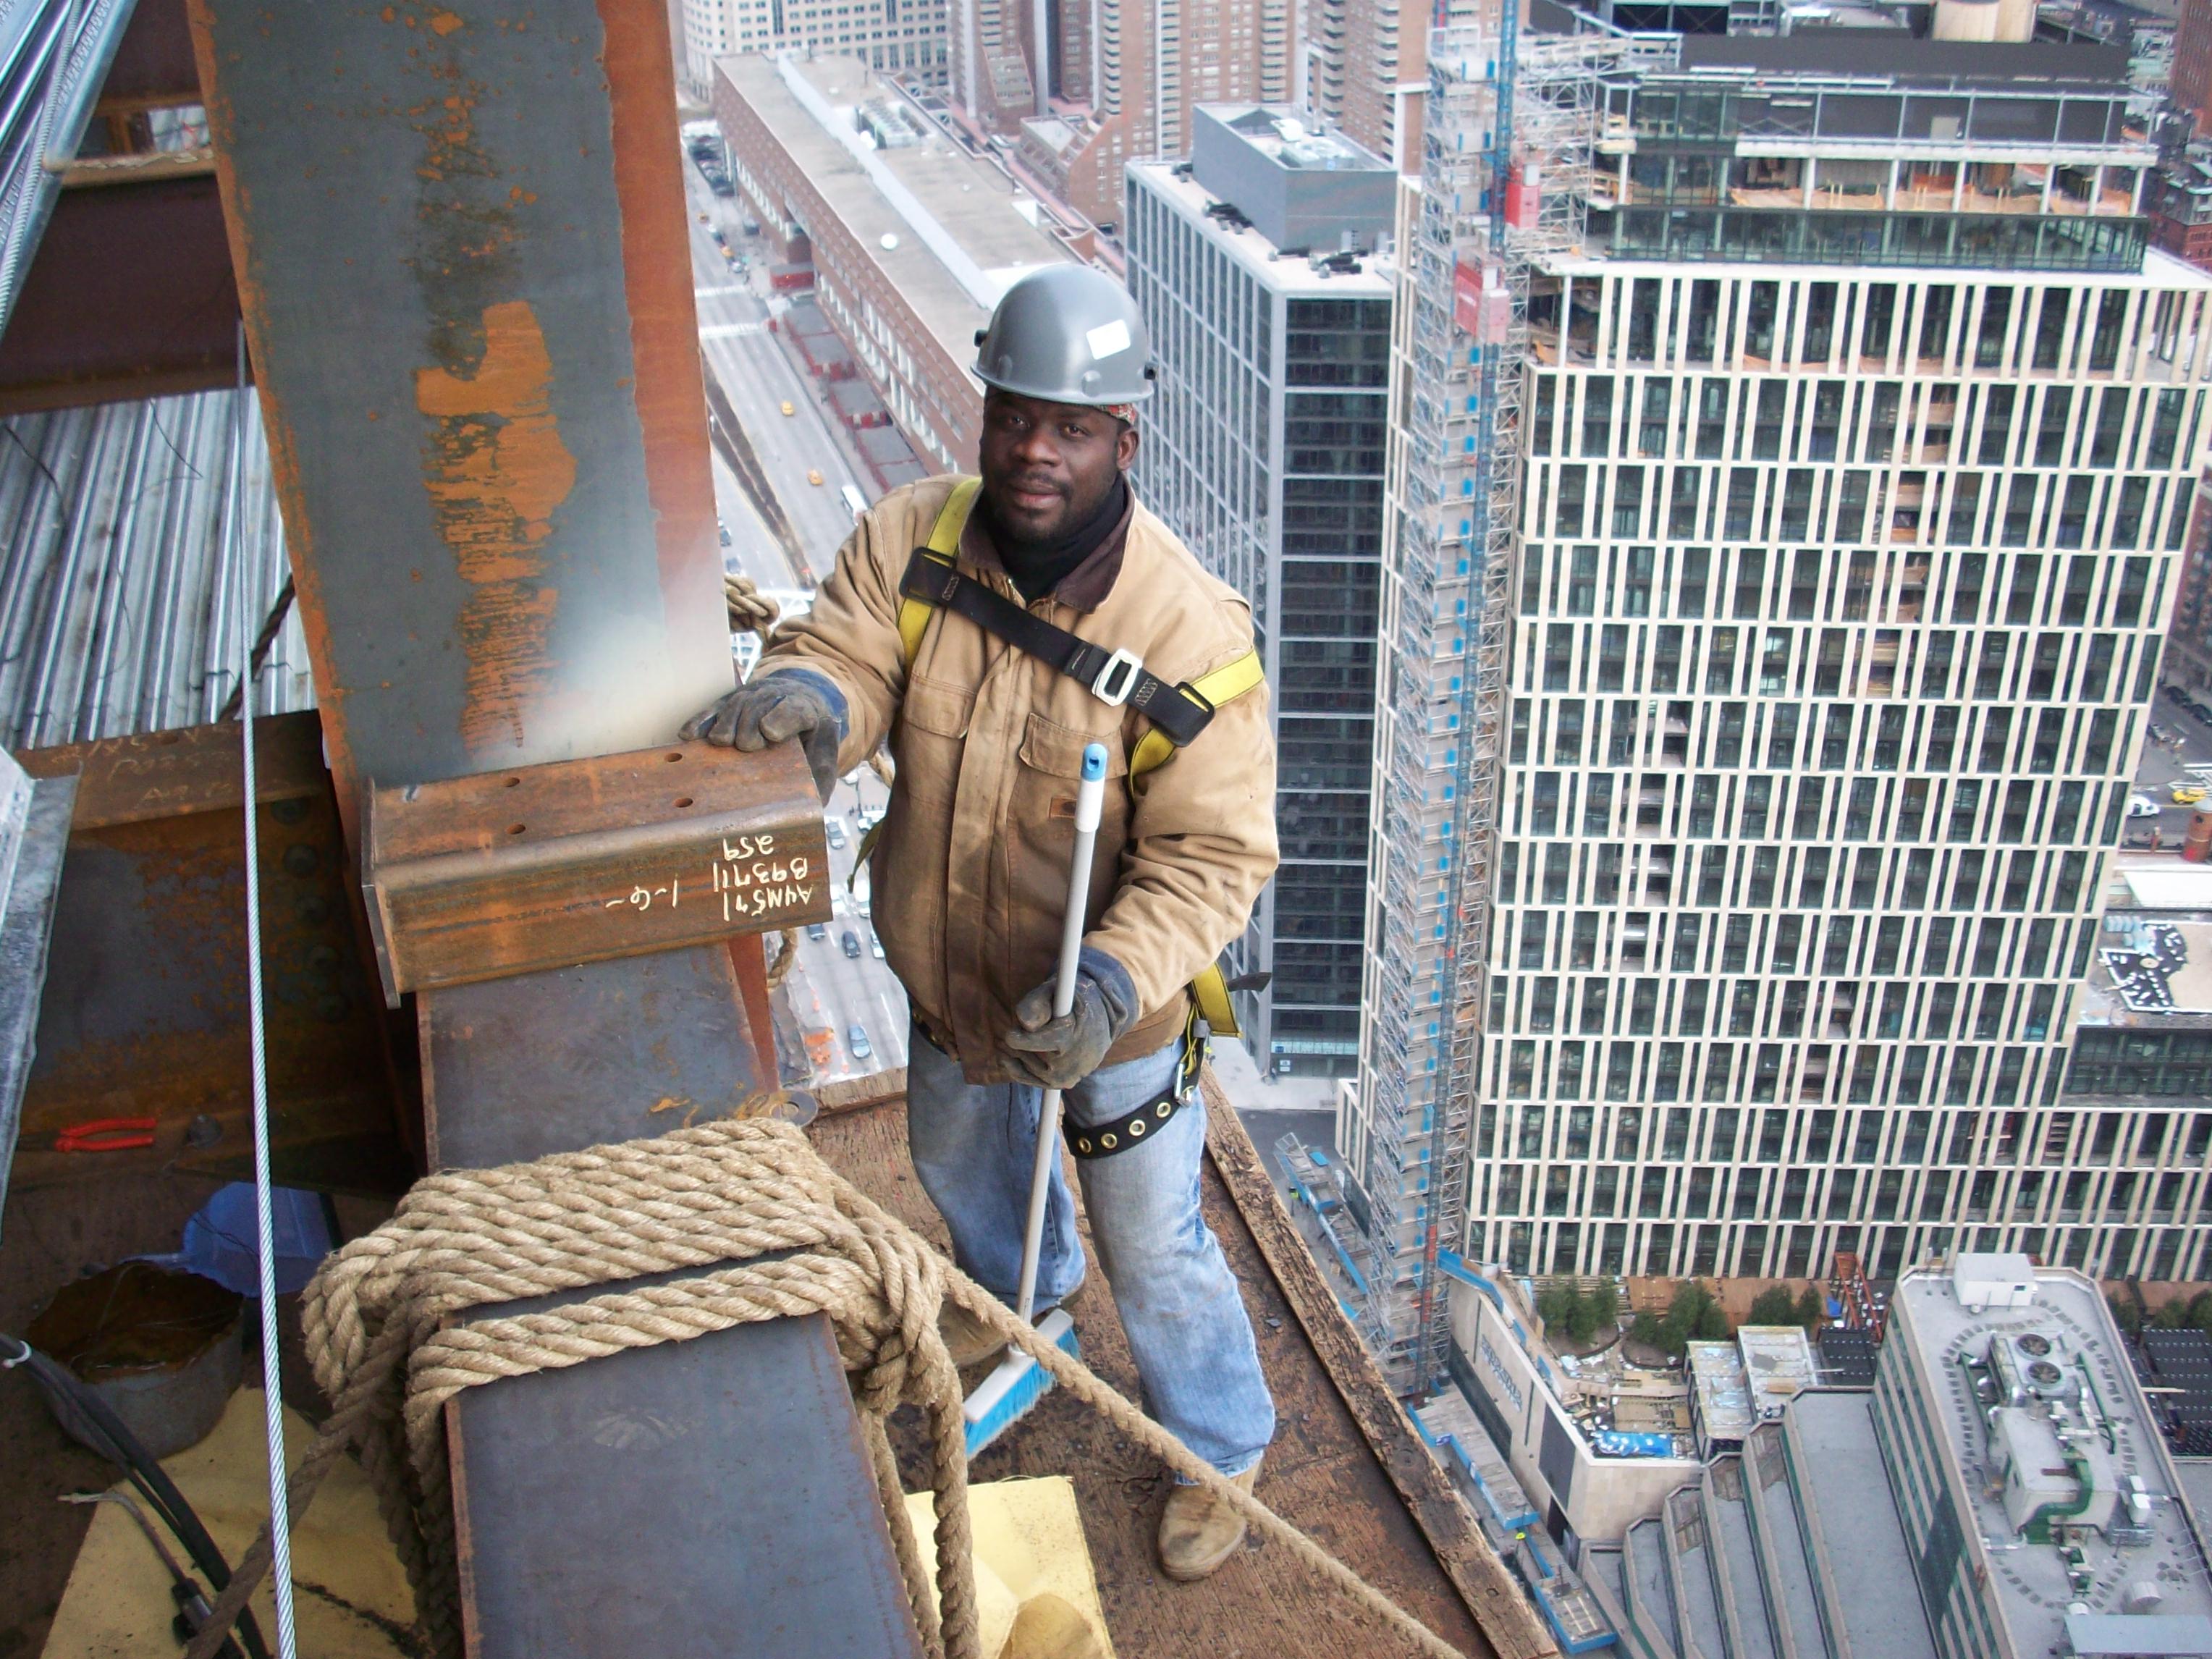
(973, 1146)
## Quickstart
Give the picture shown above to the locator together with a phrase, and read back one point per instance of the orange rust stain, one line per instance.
(444, 23)
(496, 470)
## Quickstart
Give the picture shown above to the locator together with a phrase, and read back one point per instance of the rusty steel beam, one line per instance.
(460, 240)
(129, 296)
(459, 237)
(144, 1010)
(573, 861)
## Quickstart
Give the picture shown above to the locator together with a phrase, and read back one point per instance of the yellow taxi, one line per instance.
(788, 408)
(2188, 794)
(815, 478)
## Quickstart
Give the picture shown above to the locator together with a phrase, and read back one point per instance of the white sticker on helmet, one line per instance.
(1108, 338)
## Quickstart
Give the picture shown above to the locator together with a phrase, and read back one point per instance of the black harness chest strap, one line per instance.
(1116, 678)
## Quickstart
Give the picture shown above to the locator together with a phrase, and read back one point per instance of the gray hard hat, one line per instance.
(1067, 334)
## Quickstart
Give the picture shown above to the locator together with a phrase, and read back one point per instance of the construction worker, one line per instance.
(990, 634)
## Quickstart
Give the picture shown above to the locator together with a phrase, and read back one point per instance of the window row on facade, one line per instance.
(1756, 1249)
(1820, 1137)
(1808, 737)
(1879, 325)
(1608, 942)
(1747, 418)
(1704, 805)
(1811, 584)
(1767, 502)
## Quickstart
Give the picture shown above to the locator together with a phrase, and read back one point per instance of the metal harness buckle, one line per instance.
(1112, 691)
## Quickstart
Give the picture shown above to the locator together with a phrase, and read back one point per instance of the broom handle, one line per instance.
(1089, 796)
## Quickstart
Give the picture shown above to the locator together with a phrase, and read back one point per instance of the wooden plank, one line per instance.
(501, 873)
(1490, 1591)
(1321, 1474)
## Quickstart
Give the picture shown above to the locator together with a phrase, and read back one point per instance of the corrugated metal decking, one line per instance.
(119, 609)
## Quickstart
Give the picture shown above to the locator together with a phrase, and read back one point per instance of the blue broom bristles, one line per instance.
(1008, 1393)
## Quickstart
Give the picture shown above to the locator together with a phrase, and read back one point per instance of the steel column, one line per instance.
(460, 241)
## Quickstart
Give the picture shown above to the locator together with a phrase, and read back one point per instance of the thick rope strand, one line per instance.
(388, 1343)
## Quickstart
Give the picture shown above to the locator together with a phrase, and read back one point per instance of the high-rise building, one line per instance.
(1829, 432)
(1366, 69)
(1263, 451)
(1127, 75)
(905, 38)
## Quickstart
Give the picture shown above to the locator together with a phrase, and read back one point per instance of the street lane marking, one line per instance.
(726, 287)
(728, 331)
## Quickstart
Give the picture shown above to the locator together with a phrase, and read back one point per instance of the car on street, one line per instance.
(875, 945)
(813, 475)
(2187, 794)
(836, 829)
(2158, 733)
(722, 530)
(852, 943)
(790, 408)
(818, 930)
(2142, 806)
(856, 1040)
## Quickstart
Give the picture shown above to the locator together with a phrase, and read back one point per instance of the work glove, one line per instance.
(775, 708)
(1058, 1054)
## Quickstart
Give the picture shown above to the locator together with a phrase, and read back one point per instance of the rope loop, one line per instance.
(400, 1321)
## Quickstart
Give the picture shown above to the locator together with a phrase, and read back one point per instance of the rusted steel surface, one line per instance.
(144, 1010)
(545, 866)
(129, 296)
(1324, 1472)
(710, 1492)
(458, 231)
(517, 1068)
(778, 1546)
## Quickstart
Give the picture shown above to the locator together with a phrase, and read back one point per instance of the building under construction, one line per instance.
(1798, 453)
(455, 486)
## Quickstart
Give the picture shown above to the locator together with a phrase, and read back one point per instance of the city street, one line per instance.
(829, 992)
(2162, 767)
(748, 362)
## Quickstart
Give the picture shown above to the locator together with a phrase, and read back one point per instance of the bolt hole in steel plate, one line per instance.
(674, 755)
(683, 800)
(514, 829)
(512, 783)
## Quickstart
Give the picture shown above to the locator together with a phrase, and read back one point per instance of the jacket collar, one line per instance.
(1084, 588)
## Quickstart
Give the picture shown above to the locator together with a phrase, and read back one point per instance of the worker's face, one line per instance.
(1049, 466)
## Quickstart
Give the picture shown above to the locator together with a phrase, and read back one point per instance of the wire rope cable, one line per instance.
(273, 1393)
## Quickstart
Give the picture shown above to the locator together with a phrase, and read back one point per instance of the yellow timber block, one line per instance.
(350, 1594)
(1036, 1590)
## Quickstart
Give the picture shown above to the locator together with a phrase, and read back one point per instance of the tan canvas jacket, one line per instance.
(969, 874)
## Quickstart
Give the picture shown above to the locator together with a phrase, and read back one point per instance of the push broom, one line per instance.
(1006, 1395)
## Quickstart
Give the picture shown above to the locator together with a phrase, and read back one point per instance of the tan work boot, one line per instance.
(1198, 1531)
(971, 1341)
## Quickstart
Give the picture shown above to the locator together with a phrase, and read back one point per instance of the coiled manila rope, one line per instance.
(385, 1335)
(752, 611)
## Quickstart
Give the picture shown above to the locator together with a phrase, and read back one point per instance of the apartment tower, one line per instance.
(1855, 448)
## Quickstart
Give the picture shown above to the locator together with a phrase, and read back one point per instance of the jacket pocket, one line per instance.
(1043, 834)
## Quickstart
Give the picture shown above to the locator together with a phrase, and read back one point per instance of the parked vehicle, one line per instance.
(2142, 806)
(856, 1042)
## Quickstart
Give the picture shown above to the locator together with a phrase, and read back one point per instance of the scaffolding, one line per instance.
(1511, 127)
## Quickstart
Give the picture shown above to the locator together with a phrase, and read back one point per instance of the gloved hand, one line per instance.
(775, 708)
(1058, 1054)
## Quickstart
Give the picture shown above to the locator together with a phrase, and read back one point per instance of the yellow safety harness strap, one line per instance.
(944, 542)
(1230, 681)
